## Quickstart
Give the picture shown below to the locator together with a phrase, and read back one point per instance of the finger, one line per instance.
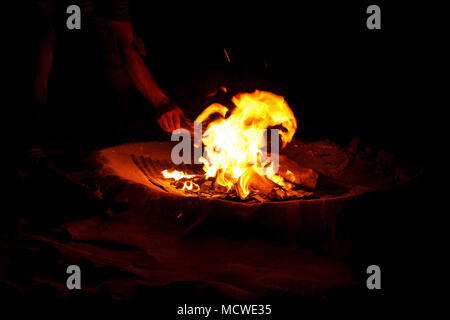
(170, 116)
(176, 118)
(164, 124)
(167, 124)
(161, 124)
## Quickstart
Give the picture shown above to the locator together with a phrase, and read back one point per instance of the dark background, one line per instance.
(341, 79)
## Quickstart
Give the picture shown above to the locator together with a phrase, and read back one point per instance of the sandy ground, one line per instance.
(129, 248)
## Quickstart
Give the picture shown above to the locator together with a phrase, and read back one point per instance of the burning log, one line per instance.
(256, 183)
(251, 184)
(293, 172)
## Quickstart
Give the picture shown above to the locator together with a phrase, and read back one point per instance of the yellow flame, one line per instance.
(177, 175)
(191, 186)
(233, 146)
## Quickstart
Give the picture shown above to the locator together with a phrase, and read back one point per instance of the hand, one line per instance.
(171, 120)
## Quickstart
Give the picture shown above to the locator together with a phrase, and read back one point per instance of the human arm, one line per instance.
(123, 38)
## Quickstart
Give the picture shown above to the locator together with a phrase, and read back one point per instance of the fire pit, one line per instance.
(237, 183)
(132, 173)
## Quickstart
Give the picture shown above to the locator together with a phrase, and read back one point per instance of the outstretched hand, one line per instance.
(172, 119)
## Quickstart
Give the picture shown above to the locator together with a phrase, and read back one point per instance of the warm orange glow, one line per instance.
(233, 146)
(177, 175)
(189, 185)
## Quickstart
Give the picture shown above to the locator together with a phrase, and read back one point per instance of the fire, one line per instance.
(177, 175)
(191, 186)
(234, 143)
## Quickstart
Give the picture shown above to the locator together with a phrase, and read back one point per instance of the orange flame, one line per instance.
(191, 186)
(177, 175)
(233, 145)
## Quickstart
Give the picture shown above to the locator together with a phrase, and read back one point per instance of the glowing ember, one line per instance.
(234, 145)
(177, 175)
(189, 185)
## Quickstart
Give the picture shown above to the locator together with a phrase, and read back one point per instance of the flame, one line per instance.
(233, 145)
(191, 186)
(177, 175)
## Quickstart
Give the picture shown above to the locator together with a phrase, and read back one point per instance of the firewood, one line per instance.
(293, 172)
(278, 194)
(298, 193)
(256, 183)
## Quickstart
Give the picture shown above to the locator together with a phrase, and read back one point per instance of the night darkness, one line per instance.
(361, 91)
